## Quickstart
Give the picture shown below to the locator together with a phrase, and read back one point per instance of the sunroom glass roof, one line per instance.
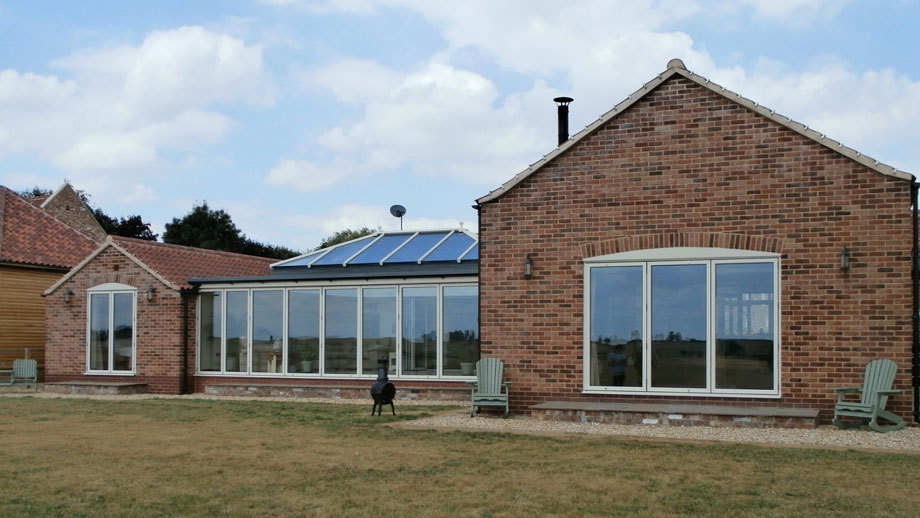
(394, 247)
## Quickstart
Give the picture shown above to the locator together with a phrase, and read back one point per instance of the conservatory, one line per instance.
(409, 298)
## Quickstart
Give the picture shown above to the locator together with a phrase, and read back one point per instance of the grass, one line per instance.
(150, 458)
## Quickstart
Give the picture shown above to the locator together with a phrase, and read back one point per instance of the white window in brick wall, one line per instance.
(682, 321)
(110, 329)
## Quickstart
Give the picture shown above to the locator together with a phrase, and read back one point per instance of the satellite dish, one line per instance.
(398, 211)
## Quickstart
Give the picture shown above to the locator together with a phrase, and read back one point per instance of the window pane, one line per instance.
(267, 330)
(342, 331)
(679, 326)
(99, 332)
(237, 333)
(744, 326)
(210, 332)
(616, 326)
(303, 331)
(460, 316)
(379, 328)
(123, 323)
(420, 331)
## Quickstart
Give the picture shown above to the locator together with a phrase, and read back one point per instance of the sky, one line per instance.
(301, 118)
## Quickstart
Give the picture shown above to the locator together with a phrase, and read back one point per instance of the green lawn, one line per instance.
(149, 458)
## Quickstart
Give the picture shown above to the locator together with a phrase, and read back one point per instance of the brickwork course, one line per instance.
(161, 336)
(685, 163)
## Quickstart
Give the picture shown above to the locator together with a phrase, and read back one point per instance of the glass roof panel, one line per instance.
(302, 261)
(473, 255)
(451, 249)
(380, 249)
(416, 248)
(340, 254)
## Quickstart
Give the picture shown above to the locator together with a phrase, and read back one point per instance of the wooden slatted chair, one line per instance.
(489, 389)
(875, 391)
(24, 371)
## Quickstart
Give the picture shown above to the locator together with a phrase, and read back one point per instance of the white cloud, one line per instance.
(306, 176)
(438, 120)
(305, 231)
(603, 50)
(20, 181)
(122, 107)
(795, 12)
(140, 194)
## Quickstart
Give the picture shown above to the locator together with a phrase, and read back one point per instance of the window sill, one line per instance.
(682, 394)
(115, 373)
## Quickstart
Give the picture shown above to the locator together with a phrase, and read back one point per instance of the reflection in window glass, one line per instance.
(267, 330)
(341, 331)
(616, 326)
(123, 336)
(744, 326)
(99, 332)
(460, 314)
(209, 331)
(303, 331)
(420, 331)
(678, 307)
(378, 339)
(237, 331)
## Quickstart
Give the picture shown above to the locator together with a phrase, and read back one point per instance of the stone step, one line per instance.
(334, 391)
(95, 388)
(676, 414)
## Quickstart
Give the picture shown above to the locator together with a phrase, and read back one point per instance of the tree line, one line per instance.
(202, 227)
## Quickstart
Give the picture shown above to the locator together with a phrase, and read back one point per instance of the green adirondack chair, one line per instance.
(875, 391)
(488, 389)
(24, 371)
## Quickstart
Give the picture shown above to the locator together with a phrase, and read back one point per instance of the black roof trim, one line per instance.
(373, 271)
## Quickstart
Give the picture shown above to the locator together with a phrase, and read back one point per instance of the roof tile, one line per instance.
(31, 236)
(178, 263)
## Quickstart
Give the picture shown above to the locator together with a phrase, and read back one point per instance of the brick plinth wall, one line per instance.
(685, 166)
(331, 388)
(158, 327)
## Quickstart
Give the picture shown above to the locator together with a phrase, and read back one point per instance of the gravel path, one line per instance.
(906, 440)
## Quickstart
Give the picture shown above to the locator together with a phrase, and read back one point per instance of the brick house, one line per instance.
(126, 313)
(40, 240)
(144, 316)
(692, 247)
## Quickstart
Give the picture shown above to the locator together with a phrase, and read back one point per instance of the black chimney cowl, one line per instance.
(563, 112)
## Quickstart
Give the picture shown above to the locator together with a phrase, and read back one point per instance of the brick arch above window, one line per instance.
(683, 239)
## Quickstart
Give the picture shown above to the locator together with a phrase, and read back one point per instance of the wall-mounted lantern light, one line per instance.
(528, 267)
(68, 294)
(151, 289)
(845, 259)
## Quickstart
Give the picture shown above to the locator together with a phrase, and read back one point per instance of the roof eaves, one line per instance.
(630, 100)
(76, 269)
(677, 67)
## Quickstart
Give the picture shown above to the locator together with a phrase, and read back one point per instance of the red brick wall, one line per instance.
(158, 326)
(67, 207)
(687, 167)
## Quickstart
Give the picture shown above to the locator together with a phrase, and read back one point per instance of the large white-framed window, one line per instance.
(683, 321)
(421, 329)
(111, 311)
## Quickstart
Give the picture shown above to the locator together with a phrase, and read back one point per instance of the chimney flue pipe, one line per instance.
(563, 110)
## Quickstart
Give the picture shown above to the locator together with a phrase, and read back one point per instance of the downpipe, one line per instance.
(915, 315)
